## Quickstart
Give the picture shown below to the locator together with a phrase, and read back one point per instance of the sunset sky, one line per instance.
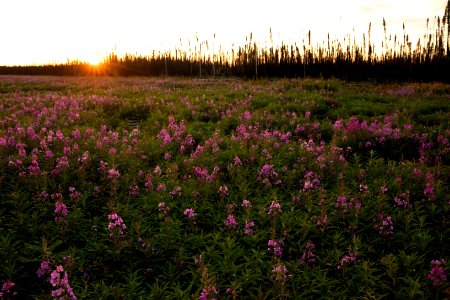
(52, 31)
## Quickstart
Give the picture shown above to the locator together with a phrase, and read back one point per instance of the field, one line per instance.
(172, 188)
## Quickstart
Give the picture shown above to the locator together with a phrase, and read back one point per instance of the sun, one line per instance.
(94, 59)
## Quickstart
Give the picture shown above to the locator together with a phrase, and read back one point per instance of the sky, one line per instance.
(54, 31)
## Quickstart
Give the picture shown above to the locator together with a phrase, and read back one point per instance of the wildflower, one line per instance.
(307, 115)
(157, 170)
(190, 213)
(102, 167)
(280, 272)
(223, 191)
(61, 211)
(208, 292)
(346, 260)
(113, 174)
(363, 188)
(43, 269)
(176, 191)
(230, 222)
(402, 200)
(164, 137)
(308, 256)
(268, 176)
(275, 247)
(248, 227)
(61, 284)
(116, 225)
(7, 289)
(161, 187)
(73, 193)
(62, 162)
(167, 156)
(429, 191)
(322, 221)
(437, 273)
(48, 154)
(164, 208)
(134, 190)
(274, 208)
(417, 172)
(112, 151)
(246, 203)
(385, 226)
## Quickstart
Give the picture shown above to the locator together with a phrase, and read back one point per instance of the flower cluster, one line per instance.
(59, 280)
(275, 247)
(116, 225)
(347, 260)
(230, 222)
(61, 284)
(274, 208)
(385, 225)
(345, 205)
(309, 256)
(248, 229)
(190, 213)
(437, 274)
(7, 289)
(208, 293)
(280, 273)
(267, 176)
(164, 208)
(61, 211)
(203, 174)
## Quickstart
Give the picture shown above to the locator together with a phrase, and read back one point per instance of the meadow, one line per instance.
(174, 188)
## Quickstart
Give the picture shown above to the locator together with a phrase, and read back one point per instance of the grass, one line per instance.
(347, 188)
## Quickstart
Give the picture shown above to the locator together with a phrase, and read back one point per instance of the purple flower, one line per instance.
(308, 256)
(385, 226)
(346, 260)
(190, 213)
(275, 247)
(230, 222)
(208, 293)
(280, 272)
(246, 203)
(43, 269)
(116, 225)
(113, 174)
(248, 230)
(274, 208)
(437, 274)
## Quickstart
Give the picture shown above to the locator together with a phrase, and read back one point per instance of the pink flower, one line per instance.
(346, 260)
(113, 174)
(275, 247)
(208, 293)
(280, 272)
(274, 208)
(308, 256)
(116, 225)
(437, 274)
(190, 213)
(307, 115)
(230, 222)
(248, 230)
(246, 203)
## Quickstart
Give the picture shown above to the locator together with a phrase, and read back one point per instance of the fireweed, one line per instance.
(378, 175)
(437, 273)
